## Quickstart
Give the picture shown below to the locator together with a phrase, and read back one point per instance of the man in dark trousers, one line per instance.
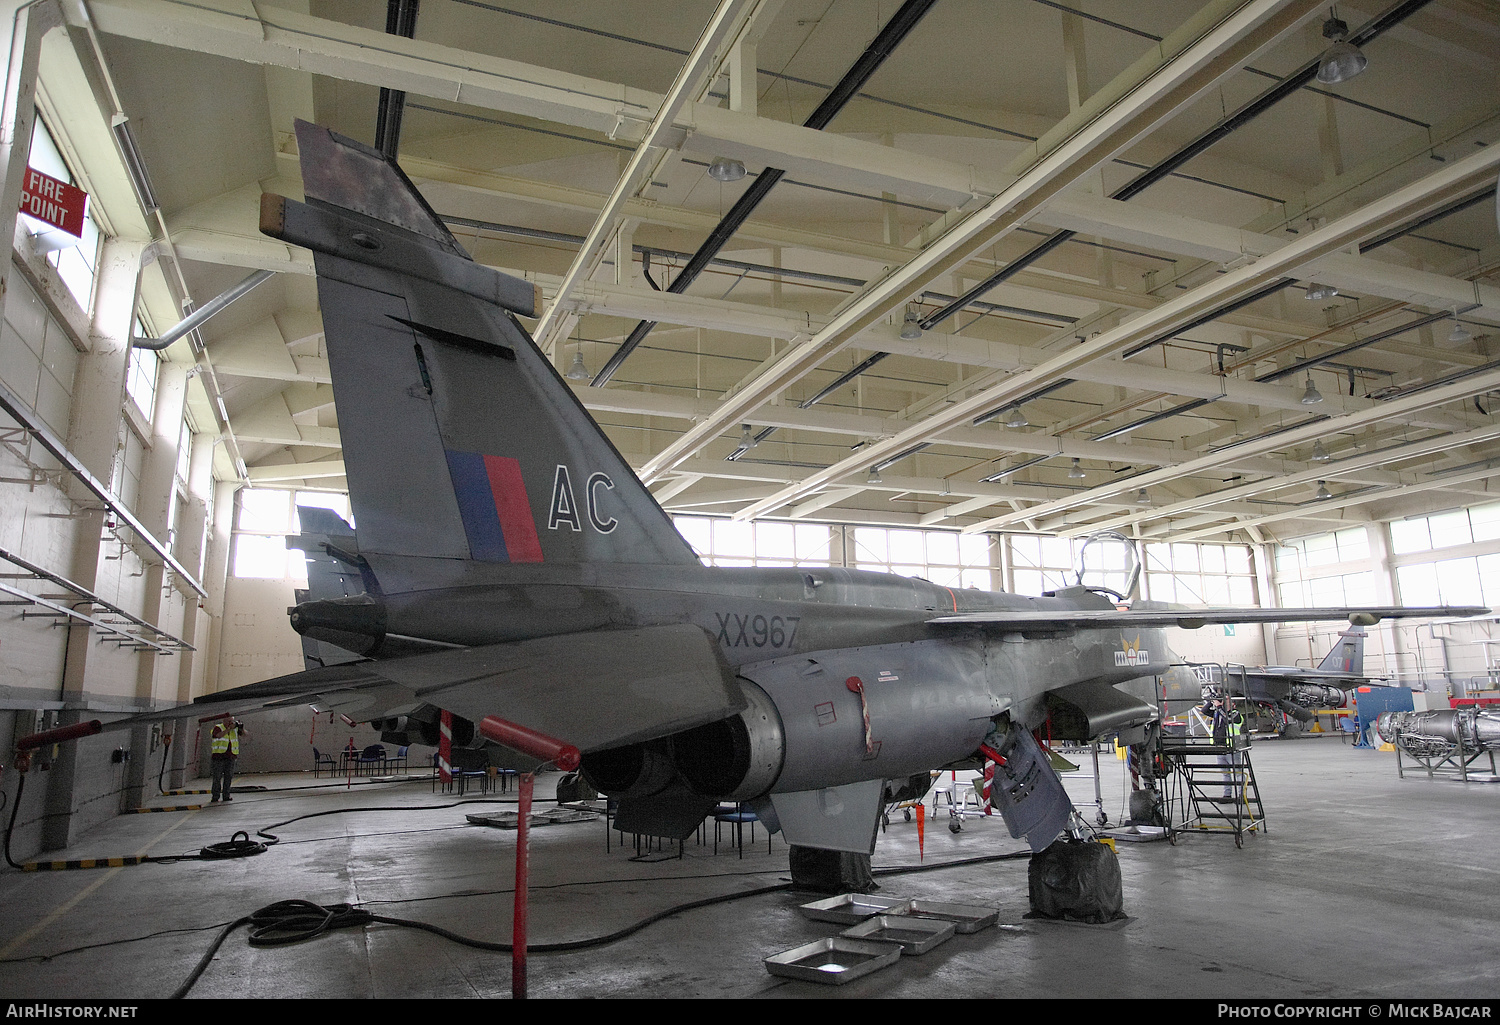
(1228, 725)
(223, 750)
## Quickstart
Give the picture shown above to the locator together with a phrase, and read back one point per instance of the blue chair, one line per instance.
(737, 815)
(372, 758)
(320, 761)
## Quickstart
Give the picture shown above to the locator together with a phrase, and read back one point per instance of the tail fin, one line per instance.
(1347, 656)
(460, 439)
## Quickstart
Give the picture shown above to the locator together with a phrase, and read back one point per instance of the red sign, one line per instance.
(56, 202)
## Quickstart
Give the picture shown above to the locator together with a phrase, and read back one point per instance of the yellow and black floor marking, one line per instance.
(183, 793)
(169, 807)
(62, 866)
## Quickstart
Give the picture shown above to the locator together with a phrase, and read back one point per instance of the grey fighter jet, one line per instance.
(513, 565)
(1280, 699)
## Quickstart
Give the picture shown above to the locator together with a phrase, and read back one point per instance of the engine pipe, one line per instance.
(30, 743)
(529, 742)
(60, 734)
(548, 749)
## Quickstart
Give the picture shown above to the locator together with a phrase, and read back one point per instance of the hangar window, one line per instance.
(75, 258)
(266, 516)
(140, 380)
(1199, 574)
(1041, 564)
(722, 542)
(1445, 529)
(946, 558)
(184, 451)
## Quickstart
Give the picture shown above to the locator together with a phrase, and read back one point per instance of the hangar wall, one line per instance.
(65, 373)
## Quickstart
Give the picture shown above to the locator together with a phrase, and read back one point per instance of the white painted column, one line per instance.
(158, 494)
(93, 434)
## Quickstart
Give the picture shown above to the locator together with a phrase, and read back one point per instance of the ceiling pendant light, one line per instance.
(875, 477)
(578, 372)
(1311, 397)
(748, 440)
(1017, 418)
(1458, 334)
(726, 169)
(1075, 472)
(1319, 453)
(911, 328)
(1317, 292)
(1342, 60)
(1141, 498)
(1323, 494)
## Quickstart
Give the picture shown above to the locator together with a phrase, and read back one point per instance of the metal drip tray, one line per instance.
(915, 935)
(965, 917)
(833, 961)
(850, 908)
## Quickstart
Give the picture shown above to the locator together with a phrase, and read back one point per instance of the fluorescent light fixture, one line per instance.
(1311, 397)
(134, 165)
(1075, 472)
(1342, 60)
(911, 328)
(726, 169)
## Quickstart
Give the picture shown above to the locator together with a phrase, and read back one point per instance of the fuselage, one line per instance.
(757, 616)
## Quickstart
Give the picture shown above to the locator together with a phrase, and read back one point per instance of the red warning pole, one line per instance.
(549, 750)
(445, 748)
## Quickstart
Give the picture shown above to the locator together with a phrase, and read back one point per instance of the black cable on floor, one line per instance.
(292, 921)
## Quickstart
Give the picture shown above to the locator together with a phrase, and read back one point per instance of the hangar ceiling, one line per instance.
(1149, 370)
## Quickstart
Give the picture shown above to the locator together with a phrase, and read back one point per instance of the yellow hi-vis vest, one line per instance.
(227, 743)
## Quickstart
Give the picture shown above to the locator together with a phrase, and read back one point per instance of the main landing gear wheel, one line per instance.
(907, 813)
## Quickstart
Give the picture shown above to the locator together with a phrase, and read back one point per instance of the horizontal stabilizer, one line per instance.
(592, 690)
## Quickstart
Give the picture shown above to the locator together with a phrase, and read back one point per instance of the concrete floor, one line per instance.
(1364, 886)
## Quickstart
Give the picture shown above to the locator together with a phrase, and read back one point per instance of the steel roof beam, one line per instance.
(1164, 80)
(1458, 178)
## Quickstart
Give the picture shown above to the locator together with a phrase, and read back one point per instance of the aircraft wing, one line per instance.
(642, 683)
(1191, 618)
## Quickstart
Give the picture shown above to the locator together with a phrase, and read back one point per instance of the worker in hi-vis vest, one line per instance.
(1228, 725)
(224, 748)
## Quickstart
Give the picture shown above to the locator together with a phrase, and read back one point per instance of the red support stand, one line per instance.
(518, 918)
(549, 750)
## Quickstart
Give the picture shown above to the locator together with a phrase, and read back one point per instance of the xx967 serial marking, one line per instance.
(756, 631)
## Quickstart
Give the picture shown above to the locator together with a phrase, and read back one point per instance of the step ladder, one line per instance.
(1212, 788)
